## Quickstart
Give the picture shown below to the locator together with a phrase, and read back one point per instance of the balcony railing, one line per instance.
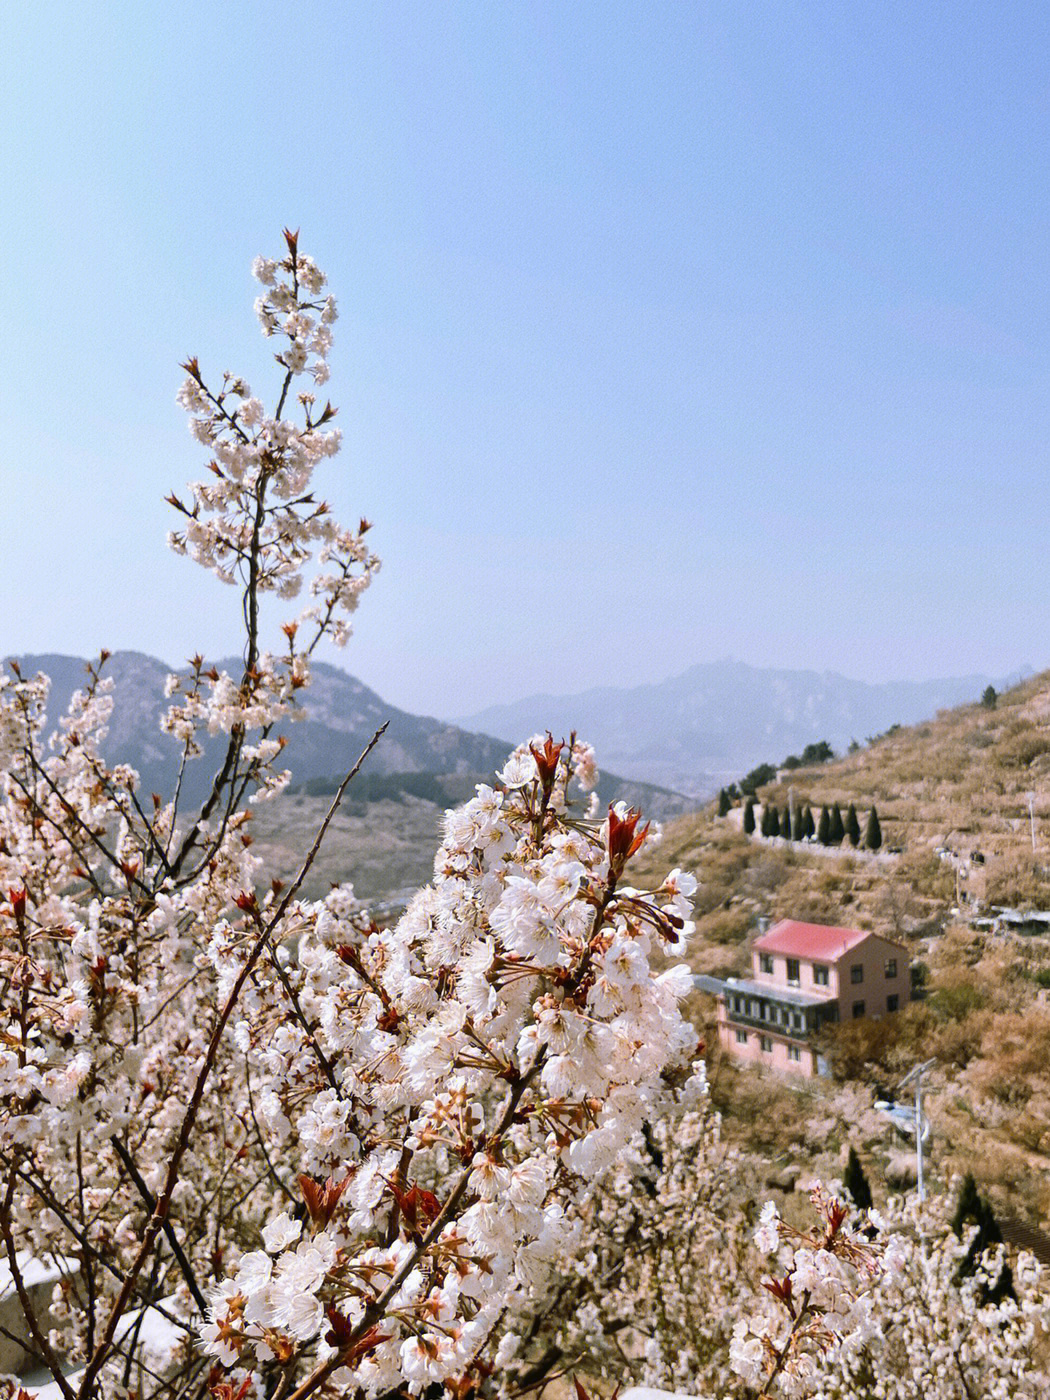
(791, 1014)
(790, 1030)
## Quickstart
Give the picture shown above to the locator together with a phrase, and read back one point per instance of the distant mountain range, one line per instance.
(342, 715)
(716, 721)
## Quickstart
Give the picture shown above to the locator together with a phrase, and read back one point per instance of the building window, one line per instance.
(856, 973)
(767, 1045)
(820, 975)
(858, 1009)
(891, 967)
(765, 962)
(792, 972)
(794, 1053)
(893, 1002)
(741, 1037)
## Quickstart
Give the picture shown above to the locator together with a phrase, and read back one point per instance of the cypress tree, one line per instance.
(749, 817)
(809, 826)
(856, 1183)
(968, 1206)
(724, 803)
(798, 826)
(974, 1209)
(838, 830)
(771, 820)
(785, 824)
(873, 831)
(852, 826)
(824, 827)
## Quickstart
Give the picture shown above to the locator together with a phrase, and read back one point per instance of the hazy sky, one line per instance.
(668, 331)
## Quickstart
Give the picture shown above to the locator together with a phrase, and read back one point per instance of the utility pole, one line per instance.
(917, 1074)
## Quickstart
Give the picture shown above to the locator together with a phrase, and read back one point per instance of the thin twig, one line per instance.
(185, 1267)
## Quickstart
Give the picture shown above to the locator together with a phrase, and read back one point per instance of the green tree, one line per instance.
(724, 802)
(809, 826)
(853, 825)
(990, 697)
(974, 1209)
(838, 830)
(749, 817)
(873, 831)
(771, 820)
(856, 1183)
(758, 777)
(821, 752)
(798, 824)
(824, 827)
(785, 823)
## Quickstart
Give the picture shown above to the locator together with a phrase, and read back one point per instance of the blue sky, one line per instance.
(668, 331)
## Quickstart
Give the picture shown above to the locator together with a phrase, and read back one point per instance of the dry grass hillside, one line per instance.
(959, 782)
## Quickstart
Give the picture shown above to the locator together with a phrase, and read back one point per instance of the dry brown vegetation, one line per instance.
(961, 781)
(386, 848)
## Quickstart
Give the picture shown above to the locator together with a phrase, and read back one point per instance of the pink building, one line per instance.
(805, 976)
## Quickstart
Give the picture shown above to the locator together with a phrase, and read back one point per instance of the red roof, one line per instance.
(810, 940)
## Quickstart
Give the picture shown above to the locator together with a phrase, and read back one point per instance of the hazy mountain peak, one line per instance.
(718, 719)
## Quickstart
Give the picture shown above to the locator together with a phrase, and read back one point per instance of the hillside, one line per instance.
(959, 782)
(702, 728)
(955, 784)
(386, 832)
(342, 714)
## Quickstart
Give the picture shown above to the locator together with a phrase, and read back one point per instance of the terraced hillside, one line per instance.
(955, 785)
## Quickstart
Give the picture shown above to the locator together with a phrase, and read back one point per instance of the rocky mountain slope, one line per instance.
(342, 714)
(714, 722)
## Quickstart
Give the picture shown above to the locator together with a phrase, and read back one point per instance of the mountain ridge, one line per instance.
(716, 720)
(342, 715)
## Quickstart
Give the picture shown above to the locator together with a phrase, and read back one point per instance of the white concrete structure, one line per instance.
(39, 1277)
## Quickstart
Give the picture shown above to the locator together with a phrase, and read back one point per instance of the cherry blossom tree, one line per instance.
(273, 1149)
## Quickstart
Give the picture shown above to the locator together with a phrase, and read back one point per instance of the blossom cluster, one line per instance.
(669, 1287)
(816, 1304)
(258, 517)
(455, 1084)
